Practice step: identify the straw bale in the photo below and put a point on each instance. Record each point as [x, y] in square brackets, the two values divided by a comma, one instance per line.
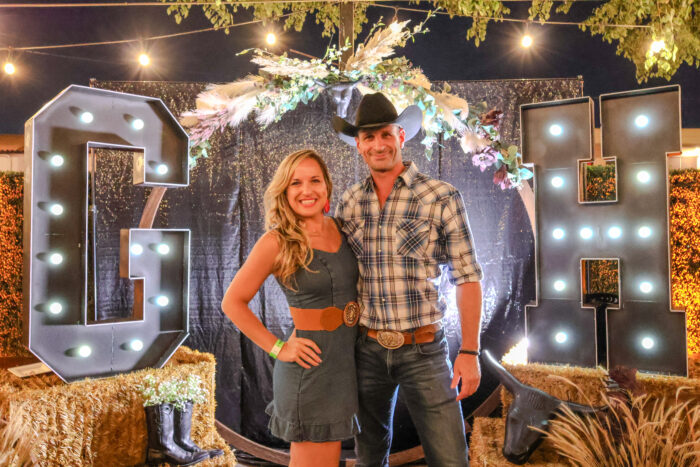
[101, 422]
[487, 441]
[589, 383]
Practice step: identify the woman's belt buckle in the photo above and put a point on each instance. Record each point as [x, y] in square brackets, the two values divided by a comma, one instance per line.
[351, 314]
[390, 339]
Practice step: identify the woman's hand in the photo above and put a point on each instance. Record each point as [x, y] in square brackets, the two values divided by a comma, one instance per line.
[302, 351]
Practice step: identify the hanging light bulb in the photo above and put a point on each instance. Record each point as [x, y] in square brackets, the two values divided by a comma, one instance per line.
[657, 46]
[144, 59]
[526, 41]
[9, 68]
[270, 38]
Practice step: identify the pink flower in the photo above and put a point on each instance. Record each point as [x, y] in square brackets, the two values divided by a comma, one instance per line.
[484, 159]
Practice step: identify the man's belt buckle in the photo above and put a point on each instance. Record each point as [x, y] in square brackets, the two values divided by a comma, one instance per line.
[351, 314]
[390, 339]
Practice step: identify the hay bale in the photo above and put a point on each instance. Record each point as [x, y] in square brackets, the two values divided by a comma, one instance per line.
[102, 422]
[589, 383]
[487, 442]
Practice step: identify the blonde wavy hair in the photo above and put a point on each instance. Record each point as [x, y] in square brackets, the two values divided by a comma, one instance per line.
[280, 218]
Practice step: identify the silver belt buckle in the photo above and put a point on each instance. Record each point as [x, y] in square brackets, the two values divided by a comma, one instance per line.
[390, 339]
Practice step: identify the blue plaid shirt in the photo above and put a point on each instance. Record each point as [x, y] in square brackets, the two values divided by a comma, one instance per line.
[399, 248]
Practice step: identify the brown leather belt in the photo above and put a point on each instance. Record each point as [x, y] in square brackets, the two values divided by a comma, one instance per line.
[395, 339]
[325, 319]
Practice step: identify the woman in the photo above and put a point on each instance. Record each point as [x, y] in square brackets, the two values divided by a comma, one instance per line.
[314, 402]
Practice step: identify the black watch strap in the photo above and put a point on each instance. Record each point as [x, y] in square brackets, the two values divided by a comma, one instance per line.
[470, 352]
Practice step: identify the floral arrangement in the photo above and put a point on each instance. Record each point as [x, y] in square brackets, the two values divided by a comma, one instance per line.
[283, 83]
[173, 391]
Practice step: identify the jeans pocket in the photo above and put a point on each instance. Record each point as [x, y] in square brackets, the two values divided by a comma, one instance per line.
[432, 348]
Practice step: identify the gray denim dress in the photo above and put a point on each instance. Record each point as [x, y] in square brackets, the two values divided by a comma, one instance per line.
[320, 404]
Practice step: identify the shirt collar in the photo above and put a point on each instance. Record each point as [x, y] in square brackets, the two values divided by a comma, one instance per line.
[408, 176]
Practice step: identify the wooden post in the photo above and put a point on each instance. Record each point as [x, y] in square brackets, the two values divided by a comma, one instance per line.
[346, 29]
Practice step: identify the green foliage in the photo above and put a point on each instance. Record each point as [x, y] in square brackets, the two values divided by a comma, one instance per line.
[676, 22]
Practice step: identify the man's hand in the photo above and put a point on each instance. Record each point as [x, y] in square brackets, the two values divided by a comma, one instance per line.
[467, 369]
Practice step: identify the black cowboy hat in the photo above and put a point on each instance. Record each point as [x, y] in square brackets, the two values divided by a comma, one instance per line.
[376, 111]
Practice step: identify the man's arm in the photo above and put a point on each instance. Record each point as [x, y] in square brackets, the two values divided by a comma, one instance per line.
[466, 367]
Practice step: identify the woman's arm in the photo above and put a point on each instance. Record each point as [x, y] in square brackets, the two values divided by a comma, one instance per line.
[244, 286]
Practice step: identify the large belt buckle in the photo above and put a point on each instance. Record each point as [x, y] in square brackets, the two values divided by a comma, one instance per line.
[390, 339]
[351, 314]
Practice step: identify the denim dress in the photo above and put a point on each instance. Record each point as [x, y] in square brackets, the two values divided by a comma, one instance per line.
[320, 404]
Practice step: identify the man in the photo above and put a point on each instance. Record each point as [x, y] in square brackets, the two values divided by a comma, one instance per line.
[402, 225]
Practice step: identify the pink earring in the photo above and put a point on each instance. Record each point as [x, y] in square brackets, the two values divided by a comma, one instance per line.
[327, 207]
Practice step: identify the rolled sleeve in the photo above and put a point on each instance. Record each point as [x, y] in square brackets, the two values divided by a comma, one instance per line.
[461, 256]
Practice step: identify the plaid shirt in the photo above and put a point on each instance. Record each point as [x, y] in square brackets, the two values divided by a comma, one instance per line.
[423, 224]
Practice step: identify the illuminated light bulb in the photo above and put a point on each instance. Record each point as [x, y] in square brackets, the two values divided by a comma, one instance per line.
[645, 287]
[144, 59]
[561, 337]
[86, 117]
[162, 300]
[395, 27]
[556, 130]
[641, 121]
[136, 345]
[614, 232]
[559, 285]
[84, 351]
[56, 258]
[137, 124]
[270, 38]
[56, 209]
[56, 160]
[9, 68]
[55, 308]
[558, 233]
[557, 182]
[163, 248]
[518, 354]
[586, 233]
[161, 169]
[136, 249]
[657, 46]
[644, 231]
[643, 176]
[526, 41]
[648, 343]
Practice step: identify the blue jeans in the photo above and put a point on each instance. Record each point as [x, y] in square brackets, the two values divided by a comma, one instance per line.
[422, 373]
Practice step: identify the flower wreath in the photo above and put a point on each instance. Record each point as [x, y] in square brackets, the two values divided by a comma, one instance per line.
[283, 83]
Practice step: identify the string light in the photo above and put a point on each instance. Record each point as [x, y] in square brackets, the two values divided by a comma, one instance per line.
[9, 68]
[270, 38]
[144, 59]
[526, 41]
[657, 46]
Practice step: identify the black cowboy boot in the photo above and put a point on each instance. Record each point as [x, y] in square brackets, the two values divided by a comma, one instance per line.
[183, 426]
[161, 446]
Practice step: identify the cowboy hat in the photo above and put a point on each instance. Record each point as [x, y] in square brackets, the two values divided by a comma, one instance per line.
[376, 111]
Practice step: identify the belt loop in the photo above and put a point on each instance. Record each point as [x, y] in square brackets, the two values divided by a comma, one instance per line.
[415, 340]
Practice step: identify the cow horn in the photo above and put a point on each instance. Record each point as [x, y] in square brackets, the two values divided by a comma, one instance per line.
[583, 409]
[509, 381]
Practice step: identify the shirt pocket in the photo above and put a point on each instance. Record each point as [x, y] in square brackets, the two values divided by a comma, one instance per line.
[355, 231]
[412, 237]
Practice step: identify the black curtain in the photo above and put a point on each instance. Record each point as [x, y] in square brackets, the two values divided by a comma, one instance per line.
[223, 208]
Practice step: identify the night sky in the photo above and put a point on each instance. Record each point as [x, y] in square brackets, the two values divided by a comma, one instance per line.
[443, 53]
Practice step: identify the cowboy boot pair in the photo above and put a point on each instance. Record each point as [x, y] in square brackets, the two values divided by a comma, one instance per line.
[162, 448]
[183, 426]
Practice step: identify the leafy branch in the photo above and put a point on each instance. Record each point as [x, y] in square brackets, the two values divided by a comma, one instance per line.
[632, 24]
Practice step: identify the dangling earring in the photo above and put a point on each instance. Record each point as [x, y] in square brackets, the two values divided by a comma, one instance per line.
[327, 207]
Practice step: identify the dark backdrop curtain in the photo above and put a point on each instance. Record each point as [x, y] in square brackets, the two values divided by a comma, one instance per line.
[223, 208]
